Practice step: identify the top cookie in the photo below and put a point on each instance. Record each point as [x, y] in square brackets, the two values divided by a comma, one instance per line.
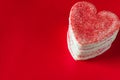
[89, 26]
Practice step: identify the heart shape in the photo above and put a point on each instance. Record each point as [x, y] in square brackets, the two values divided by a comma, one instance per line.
[89, 26]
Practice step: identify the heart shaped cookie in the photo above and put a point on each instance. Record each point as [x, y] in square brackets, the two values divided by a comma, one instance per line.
[90, 31]
[90, 26]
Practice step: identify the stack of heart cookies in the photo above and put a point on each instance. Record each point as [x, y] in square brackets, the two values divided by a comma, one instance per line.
[90, 33]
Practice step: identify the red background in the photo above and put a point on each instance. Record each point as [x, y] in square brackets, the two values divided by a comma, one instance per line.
[33, 43]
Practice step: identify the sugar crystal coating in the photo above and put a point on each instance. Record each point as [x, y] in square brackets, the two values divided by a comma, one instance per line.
[89, 26]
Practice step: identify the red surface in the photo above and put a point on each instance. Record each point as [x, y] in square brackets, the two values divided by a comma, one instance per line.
[33, 43]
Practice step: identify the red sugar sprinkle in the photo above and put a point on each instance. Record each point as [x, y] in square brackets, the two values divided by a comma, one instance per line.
[89, 26]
